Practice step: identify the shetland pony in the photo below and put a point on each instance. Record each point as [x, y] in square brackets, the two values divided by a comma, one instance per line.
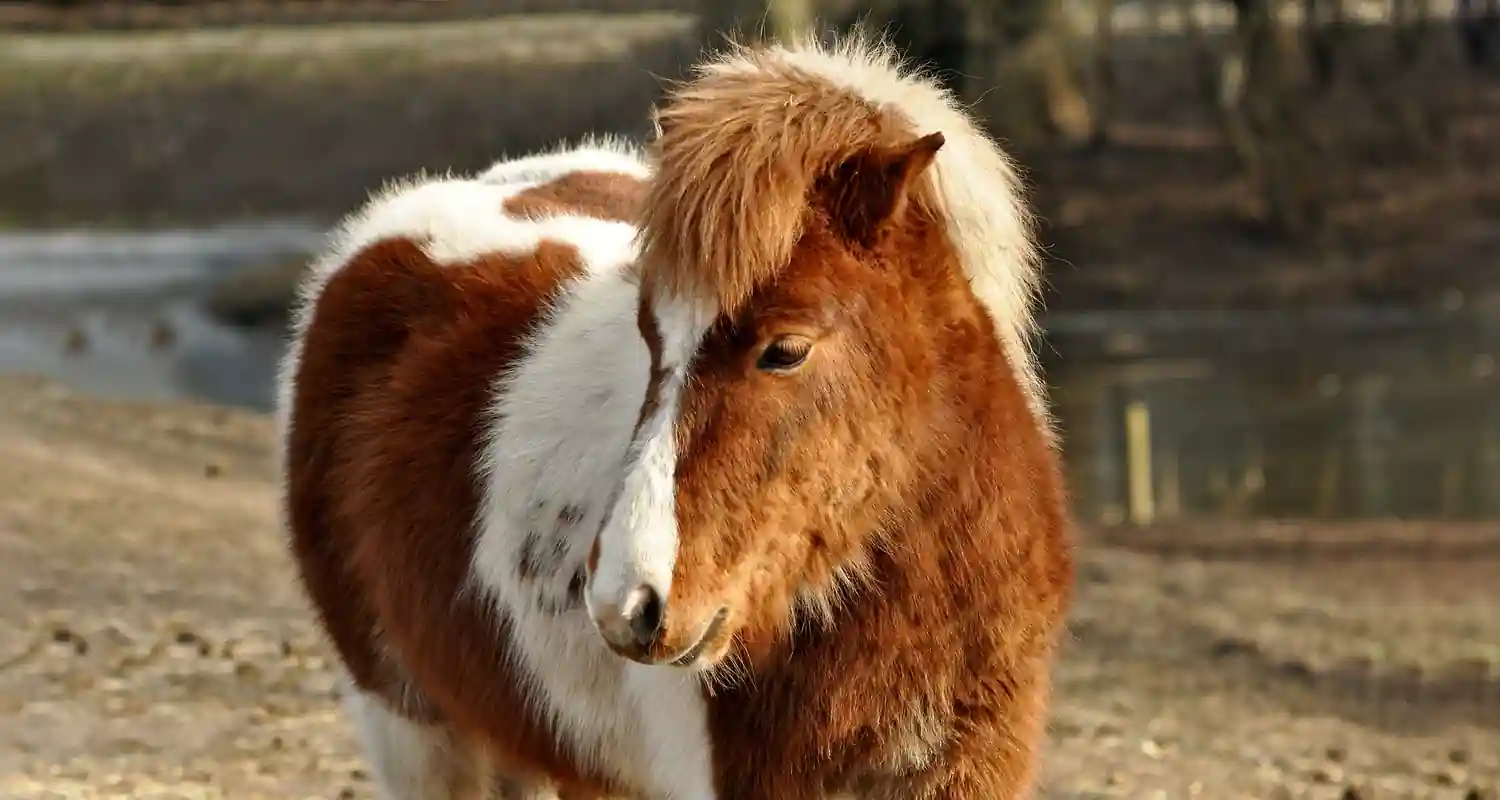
[721, 470]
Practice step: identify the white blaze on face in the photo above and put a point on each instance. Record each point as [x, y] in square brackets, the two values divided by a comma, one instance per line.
[638, 544]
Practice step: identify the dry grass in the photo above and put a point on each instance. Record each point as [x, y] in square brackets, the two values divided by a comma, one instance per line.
[345, 50]
[198, 126]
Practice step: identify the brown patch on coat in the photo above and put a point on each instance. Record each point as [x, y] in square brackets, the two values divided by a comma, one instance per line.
[395, 377]
[902, 459]
[645, 322]
[393, 686]
[612, 196]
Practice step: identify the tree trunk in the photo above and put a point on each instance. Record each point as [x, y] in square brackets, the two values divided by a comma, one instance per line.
[753, 21]
[1394, 89]
[1325, 28]
[1031, 73]
[934, 33]
[1205, 64]
[1263, 121]
[1409, 19]
[1478, 29]
[1102, 90]
[790, 20]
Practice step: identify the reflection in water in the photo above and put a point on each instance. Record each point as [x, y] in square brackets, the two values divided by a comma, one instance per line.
[1342, 413]
[1358, 415]
[167, 351]
[122, 314]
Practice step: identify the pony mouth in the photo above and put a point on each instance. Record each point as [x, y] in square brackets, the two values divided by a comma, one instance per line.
[711, 635]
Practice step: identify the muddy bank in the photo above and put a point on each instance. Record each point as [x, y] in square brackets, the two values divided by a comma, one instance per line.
[144, 129]
[153, 642]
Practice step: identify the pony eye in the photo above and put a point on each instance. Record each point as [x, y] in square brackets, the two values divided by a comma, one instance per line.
[783, 354]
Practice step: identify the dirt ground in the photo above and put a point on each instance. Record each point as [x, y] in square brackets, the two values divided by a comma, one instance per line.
[153, 643]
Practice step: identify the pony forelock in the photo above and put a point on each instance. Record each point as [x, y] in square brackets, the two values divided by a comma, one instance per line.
[741, 143]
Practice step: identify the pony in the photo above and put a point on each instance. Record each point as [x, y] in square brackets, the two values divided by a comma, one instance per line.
[719, 468]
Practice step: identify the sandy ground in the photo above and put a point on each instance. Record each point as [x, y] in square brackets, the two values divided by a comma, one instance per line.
[153, 643]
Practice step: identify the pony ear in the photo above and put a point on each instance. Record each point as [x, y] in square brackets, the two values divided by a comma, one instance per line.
[871, 187]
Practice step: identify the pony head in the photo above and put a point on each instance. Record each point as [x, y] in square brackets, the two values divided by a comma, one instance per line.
[836, 276]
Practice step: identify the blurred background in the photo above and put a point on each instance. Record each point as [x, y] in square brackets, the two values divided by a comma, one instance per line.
[1273, 318]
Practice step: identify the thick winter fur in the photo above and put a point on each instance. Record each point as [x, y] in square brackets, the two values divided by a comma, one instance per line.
[554, 507]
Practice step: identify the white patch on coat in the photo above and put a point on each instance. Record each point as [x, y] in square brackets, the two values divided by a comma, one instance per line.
[601, 154]
[559, 428]
[454, 220]
[638, 545]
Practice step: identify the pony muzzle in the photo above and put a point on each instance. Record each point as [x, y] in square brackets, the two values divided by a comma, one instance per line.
[637, 629]
[633, 626]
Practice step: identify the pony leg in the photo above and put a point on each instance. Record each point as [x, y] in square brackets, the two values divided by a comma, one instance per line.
[410, 760]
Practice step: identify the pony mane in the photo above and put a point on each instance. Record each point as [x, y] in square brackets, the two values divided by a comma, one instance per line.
[740, 144]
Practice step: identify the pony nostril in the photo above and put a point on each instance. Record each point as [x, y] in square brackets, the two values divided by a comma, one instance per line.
[646, 616]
